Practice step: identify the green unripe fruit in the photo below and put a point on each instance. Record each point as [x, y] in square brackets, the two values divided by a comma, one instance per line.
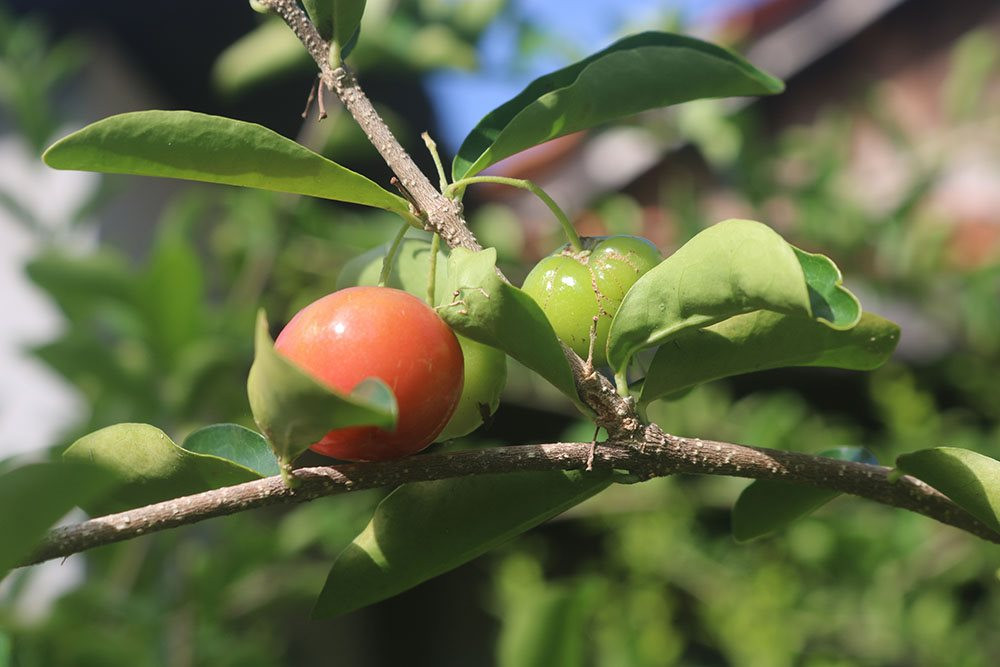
[485, 377]
[572, 287]
[485, 366]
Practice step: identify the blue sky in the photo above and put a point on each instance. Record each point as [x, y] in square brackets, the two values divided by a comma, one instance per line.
[578, 27]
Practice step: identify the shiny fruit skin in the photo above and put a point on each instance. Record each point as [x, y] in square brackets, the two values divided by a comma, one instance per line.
[362, 332]
[485, 377]
[573, 286]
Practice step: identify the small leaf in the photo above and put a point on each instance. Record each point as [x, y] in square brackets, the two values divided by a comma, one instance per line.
[321, 14]
[195, 146]
[151, 467]
[234, 443]
[77, 283]
[767, 506]
[347, 24]
[293, 410]
[971, 480]
[424, 529]
[762, 340]
[35, 496]
[731, 268]
[410, 270]
[639, 72]
[828, 298]
[491, 311]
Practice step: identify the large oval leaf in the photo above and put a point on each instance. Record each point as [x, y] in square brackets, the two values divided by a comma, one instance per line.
[731, 268]
[639, 72]
[234, 443]
[293, 410]
[199, 147]
[767, 506]
[35, 496]
[151, 467]
[491, 311]
[761, 340]
[424, 529]
[971, 480]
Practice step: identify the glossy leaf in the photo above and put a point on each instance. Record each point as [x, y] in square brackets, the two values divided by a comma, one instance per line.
[731, 268]
[639, 72]
[151, 467]
[33, 497]
[762, 340]
[828, 298]
[199, 147]
[234, 443]
[424, 529]
[491, 311]
[767, 506]
[293, 410]
[970, 479]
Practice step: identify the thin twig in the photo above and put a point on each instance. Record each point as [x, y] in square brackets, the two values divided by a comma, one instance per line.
[663, 455]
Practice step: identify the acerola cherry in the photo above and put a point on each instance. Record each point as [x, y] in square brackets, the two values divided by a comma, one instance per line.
[363, 332]
[573, 286]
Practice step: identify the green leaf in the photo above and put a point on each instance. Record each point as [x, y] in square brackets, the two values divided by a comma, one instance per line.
[731, 268]
[762, 340]
[321, 14]
[35, 496]
[151, 467]
[293, 410]
[971, 480]
[234, 443]
[828, 298]
[410, 270]
[170, 294]
[491, 311]
[639, 72]
[767, 506]
[347, 24]
[78, 283]
[265, 53]
[424, 529]
[337, 19]
[195, 146]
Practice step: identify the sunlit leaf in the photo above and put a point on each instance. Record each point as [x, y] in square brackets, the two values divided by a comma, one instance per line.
[970, 479]
[151, 467]
[639, 72]
[199, 147]
[491, 311]
[762, 340]
[731, 268]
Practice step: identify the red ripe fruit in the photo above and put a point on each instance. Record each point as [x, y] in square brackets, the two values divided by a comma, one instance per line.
[363, 332]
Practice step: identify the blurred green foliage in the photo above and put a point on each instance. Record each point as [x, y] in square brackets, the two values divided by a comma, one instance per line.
[644, 574]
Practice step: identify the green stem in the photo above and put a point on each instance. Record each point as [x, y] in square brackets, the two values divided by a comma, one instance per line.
[432, 147]
[432, 277]
[390, 257]
[571, 234]
[621, 382]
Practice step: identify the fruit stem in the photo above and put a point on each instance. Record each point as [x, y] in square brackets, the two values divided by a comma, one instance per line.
[524, 184]
[432, 277]
[390, 257]
[433, 149]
